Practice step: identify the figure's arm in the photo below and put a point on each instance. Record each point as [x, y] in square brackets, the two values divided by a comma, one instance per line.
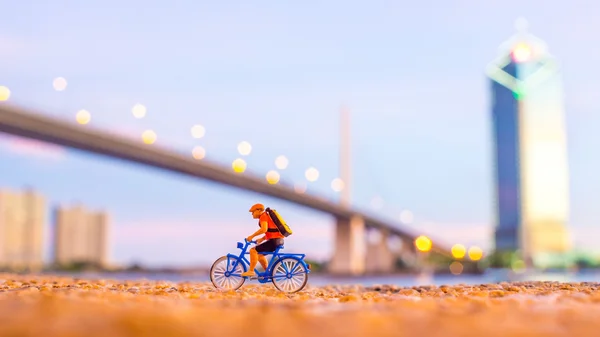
[261, 239]
[263, 229]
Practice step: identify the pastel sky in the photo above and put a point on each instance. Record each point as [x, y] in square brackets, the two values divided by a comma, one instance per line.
[275, 74]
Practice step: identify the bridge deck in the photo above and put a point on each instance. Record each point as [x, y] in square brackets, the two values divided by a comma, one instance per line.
[20, 122]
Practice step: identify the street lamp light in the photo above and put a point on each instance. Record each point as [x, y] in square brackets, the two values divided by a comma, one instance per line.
[198, 131]
[406, 217]
[475, 253]
[239, 165]
[198, 152]
[138, 111]
[149, 137]
[272, 177]
[337, 185]
[59, 84]
[83, 117]
[311, 174]
[4, 94]
[423, 243]
[244, 148]
[281, 162]
[458, 251]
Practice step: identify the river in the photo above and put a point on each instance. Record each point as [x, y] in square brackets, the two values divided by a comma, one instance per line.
[490, 276]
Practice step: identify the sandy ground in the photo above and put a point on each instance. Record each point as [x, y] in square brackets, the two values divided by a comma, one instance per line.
[45, 306]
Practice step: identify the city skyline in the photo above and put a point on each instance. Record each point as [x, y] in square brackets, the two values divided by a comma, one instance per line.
[437, 166]
[36, 233]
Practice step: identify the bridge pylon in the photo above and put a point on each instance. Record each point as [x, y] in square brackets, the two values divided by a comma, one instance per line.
[345, 157]
[349, 253]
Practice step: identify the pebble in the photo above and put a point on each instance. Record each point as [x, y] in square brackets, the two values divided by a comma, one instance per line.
[33, 305]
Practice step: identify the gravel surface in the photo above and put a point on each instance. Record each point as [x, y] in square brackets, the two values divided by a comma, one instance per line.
[46, 306]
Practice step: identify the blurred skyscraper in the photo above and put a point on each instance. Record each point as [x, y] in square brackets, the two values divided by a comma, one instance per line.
[81, 236]
[530, 155]
[22, 219]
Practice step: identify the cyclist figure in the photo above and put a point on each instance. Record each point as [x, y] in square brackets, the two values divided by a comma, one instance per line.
[272, 236]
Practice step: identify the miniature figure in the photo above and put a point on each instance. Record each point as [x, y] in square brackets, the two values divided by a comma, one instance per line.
[272, 236]
[288, 272]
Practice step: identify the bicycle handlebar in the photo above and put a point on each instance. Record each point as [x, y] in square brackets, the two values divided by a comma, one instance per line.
[249, 241]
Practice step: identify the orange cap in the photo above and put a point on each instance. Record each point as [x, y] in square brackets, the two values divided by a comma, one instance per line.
[257, 207]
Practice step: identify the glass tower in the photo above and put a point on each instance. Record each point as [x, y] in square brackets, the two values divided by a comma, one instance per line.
[530, 156]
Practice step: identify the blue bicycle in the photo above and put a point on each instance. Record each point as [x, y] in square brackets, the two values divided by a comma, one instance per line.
[288, 272]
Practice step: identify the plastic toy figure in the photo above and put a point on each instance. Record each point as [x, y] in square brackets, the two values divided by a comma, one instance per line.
[272, 236]
[288, 272]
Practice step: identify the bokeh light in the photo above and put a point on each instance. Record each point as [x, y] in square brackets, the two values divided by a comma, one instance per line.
[281, 162]
[406, 217]
[337, 185]
[4, 93]
[518, 266]
[149, 137]
[272, 177]
[83, 117]
[456, 268]
[300, 187]
[138, 111]
[198, 131]
[59, 84]
[244, 148]
[423, 243]
[239, 165]
[475, 253]
[311, 174]
[458, 251]
[198, 152]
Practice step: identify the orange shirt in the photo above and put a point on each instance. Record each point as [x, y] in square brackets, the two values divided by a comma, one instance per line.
[272, 230]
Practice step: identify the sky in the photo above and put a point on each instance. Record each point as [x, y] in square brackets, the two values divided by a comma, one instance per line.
[275, 74]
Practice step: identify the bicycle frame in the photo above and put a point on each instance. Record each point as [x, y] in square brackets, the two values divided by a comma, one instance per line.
[265, 276]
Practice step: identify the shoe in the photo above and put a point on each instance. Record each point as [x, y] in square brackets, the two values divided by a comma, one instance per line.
[249, 273]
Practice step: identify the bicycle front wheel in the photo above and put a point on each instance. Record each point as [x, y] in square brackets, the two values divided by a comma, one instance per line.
[225, 273]
[289, 275]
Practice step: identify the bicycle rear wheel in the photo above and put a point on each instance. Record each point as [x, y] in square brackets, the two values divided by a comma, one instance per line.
[289, 275]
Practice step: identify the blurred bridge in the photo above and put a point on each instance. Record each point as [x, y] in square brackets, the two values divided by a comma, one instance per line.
[351, 250]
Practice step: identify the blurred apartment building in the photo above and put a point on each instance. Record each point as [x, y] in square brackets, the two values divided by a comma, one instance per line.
[22, 218]
[80, 236]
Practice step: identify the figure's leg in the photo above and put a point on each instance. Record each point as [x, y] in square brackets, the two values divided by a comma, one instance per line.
[263, 261]
[253, 261]
[265, 247]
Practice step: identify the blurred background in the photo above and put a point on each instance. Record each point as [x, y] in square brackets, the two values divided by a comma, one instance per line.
[459, 132]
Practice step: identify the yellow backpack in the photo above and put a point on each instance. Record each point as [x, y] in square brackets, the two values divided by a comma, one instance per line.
[284, 229]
